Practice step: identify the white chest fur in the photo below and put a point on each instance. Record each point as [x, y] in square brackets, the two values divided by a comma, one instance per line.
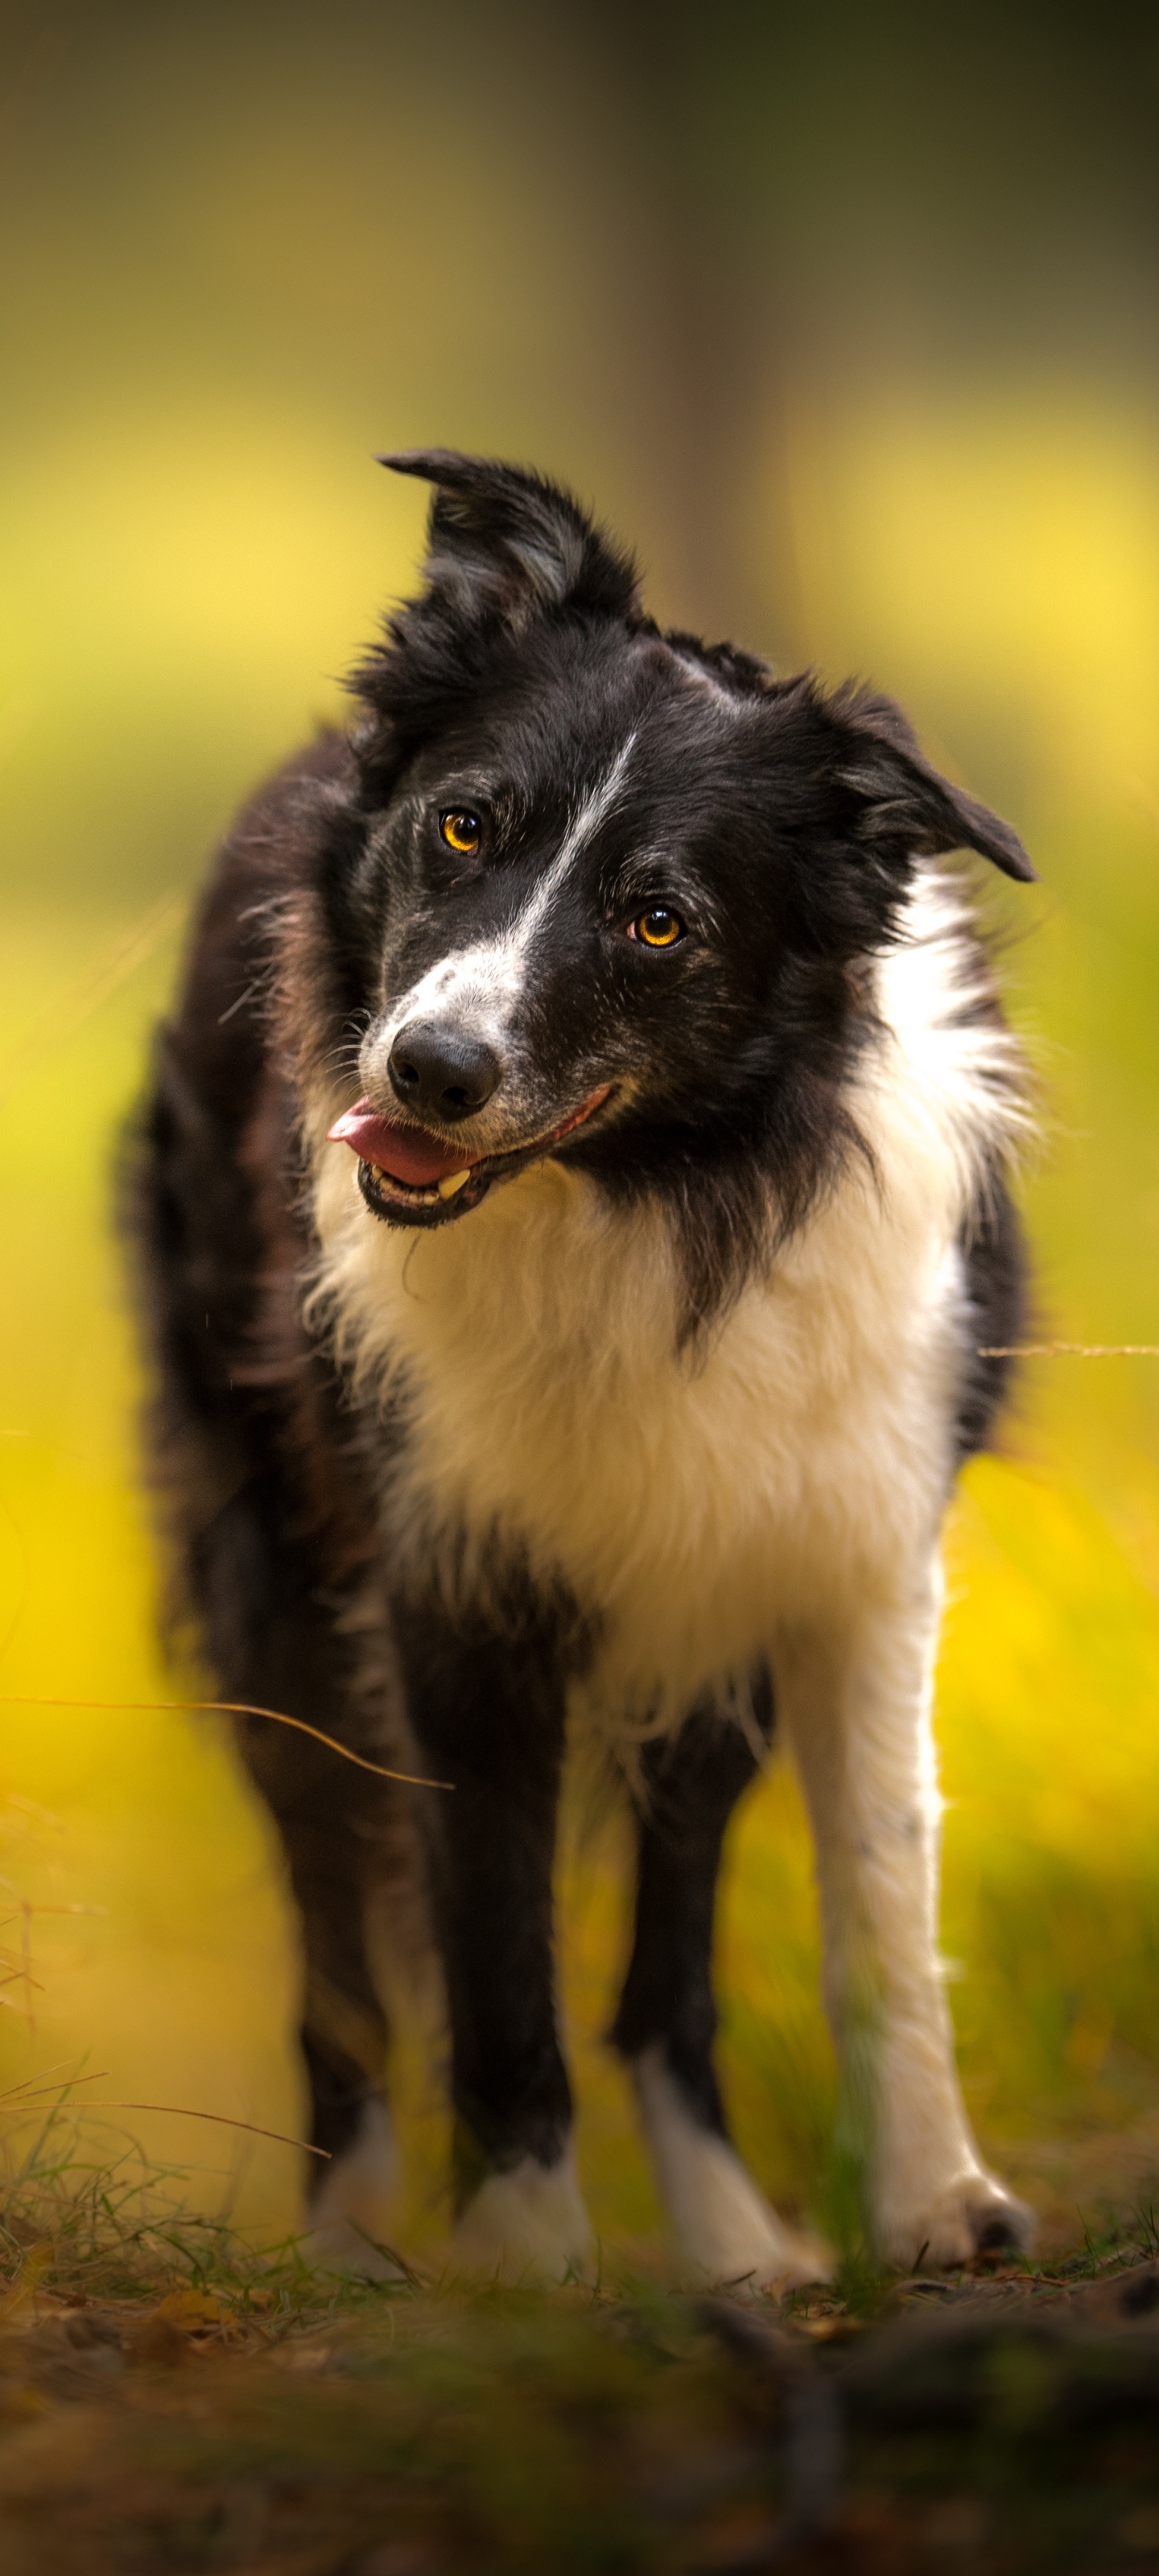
[695, 1505]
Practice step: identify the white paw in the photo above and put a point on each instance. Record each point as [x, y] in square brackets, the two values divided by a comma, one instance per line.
[723, 2225]
[350, 2214]
[975, 2214]
[340, 2246]
[736, 2240]
[526, 2225]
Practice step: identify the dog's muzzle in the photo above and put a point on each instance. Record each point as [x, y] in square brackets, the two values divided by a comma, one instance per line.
[409, 1177]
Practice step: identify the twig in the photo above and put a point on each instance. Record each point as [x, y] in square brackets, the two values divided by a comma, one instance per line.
[1071, 1351]
[92, 986]
[224, 1708]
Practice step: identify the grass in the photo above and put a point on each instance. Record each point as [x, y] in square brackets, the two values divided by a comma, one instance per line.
[86, 2214]
[173, 2398]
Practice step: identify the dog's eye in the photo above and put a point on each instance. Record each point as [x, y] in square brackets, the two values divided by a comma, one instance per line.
[658, 928]
[462, 831]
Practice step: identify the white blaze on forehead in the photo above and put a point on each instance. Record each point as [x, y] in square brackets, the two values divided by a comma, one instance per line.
[488, 977]
[590, 813]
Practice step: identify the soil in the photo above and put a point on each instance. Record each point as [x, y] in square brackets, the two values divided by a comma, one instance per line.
[1002, 2422]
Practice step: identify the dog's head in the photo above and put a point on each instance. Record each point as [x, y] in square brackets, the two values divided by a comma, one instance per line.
[611, 892]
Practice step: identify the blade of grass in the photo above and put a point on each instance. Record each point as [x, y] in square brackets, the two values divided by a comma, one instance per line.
[182, 2111]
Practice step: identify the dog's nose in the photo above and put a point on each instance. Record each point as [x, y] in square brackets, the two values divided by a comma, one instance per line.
[439, 1073]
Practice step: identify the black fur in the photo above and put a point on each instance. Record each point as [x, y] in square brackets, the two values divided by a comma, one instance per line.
[782, 826]
[690, 1784]
[489, 1708]
[996, 1274]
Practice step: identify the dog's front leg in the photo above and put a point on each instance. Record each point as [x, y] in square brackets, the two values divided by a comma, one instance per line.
[689, 1783]
[857, 1697]
[487, 1706]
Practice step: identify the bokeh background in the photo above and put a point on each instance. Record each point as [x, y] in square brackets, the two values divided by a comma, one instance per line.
[846, 318]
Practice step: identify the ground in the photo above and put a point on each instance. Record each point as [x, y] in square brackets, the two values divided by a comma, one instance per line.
[169, 2403]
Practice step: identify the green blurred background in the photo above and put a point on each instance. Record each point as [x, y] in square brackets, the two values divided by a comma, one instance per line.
[846, 318]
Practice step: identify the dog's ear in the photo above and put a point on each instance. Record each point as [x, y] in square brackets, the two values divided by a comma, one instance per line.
[904, 808]
[505, 543]
[504, 547]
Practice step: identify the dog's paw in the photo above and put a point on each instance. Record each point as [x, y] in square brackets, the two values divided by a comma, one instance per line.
[340, 2245]
[526, 2225]
[974, 2215]
[350, 2214]
[725, 2231]
[731, 2237]
[765, 2261]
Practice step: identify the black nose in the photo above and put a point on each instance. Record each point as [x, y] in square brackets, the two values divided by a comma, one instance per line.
[439, 1073]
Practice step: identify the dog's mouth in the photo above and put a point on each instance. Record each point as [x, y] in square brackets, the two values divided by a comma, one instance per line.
[409, 1177]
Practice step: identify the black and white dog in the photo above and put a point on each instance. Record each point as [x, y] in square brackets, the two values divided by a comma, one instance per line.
[571, 1209]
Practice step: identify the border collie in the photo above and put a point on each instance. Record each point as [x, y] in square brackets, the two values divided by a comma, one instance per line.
[573, 1228]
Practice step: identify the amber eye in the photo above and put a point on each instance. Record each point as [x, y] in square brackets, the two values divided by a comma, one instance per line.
[462, 831]
[658, 928]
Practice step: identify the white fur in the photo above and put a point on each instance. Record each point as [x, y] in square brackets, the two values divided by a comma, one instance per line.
[350, 2213]
[720, 2221]
[855, 1693]
[526, 2225]
[779, 1494]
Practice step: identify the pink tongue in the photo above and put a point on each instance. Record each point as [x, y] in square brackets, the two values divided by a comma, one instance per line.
[405, 1152]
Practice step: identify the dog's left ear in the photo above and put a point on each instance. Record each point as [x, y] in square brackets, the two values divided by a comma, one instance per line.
[504, 543]
[905, 809]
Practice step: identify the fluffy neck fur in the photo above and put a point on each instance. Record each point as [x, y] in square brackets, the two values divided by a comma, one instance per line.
[694, 1497]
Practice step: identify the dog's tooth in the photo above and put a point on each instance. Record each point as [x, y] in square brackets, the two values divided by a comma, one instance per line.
[453, 1181]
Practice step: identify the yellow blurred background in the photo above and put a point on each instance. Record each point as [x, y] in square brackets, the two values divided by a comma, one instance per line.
[847, 321]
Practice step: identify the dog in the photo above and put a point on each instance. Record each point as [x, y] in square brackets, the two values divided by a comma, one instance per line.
[575, 1245]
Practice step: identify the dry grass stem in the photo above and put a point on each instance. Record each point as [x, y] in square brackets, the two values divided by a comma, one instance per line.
[181, 2111]
[1070, 1351]
[223, 1708]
